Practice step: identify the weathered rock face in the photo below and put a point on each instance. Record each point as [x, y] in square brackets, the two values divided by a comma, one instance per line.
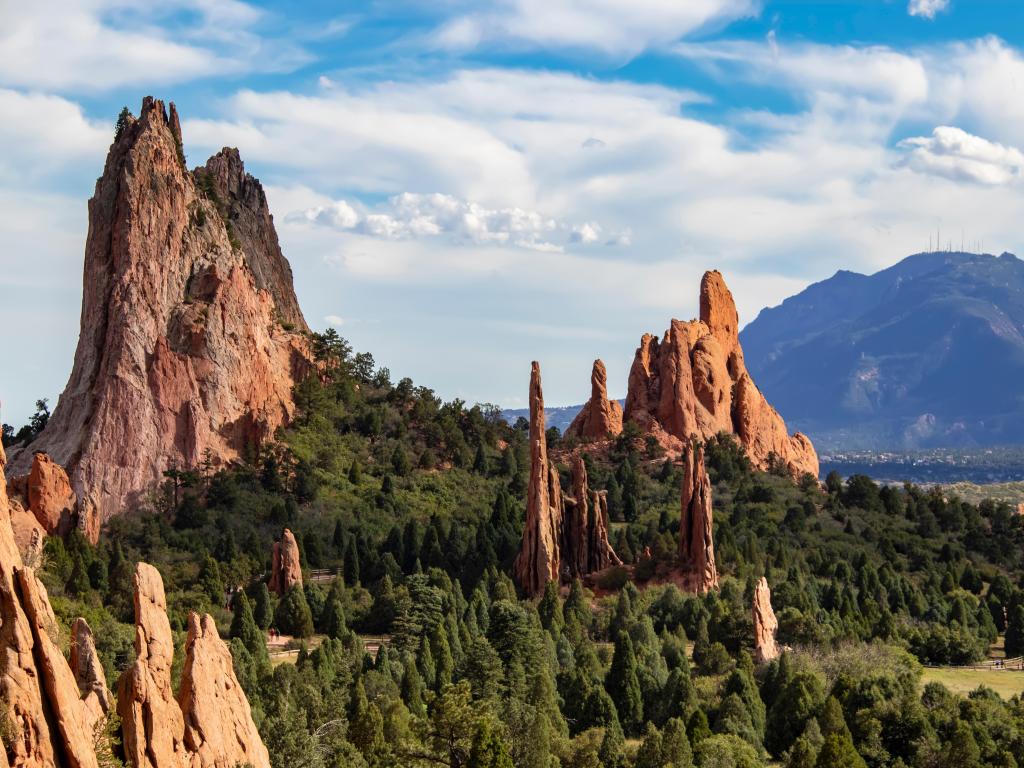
[57, 710]
[253, 225]
[765, 624]
[693, 383]
[219, 730]
[39, 697]
[539, 559]
[88, 671]
[585, 547]
[600, 417]
[286, 564]
[181, 350]
[696, 539]
[50, 497]
[151, 721]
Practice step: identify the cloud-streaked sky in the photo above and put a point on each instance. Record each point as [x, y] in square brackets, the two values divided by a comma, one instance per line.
[462, 187]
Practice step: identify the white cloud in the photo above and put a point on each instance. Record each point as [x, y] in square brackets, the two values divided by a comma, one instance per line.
[411, 215]
[335, 321]
[49, 132]
[103, 44]
[958, 155]
[612, 27]
[926, 8]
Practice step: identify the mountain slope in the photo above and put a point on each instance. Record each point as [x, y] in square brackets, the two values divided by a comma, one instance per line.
[928, 352]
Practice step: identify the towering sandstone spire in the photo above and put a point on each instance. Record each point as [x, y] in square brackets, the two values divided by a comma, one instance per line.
[693, 383]
[696, 541]
[539, 559]
[765, 624]
[189, 330]
[285, 564]
[600, 417]
[563, 535]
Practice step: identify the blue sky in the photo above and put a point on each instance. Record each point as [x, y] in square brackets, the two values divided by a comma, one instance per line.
[463, 187]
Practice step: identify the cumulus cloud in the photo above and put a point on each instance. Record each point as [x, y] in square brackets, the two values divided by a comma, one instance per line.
[927, 8]
[612, 27]
[957, 154]
[411, 215]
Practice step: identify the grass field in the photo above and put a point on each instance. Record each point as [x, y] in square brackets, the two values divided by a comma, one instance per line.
[1005, 682]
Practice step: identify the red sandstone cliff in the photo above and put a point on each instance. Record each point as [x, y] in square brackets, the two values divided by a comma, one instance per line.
[186, 342]
[693, 383]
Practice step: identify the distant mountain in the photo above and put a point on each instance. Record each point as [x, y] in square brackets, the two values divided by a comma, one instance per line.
[927, 353]
[560, 417]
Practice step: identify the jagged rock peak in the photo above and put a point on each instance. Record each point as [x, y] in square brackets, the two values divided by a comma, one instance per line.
[253, 225]
[693, 383]
[600, 417]
[286, 565]
[696, 524]
[765, 624]
[181, 352]
[539, 559]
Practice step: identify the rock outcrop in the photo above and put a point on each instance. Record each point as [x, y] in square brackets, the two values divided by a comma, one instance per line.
[219, 729]
[55, 711]
[88, 671]
[209, 723]
[539, 558]
[190, 338]
[696, 534]
[43, 503]
[765, 624]
[49, 722]
[585, 547]
[564, 536]
[285, 564]
[692, 382]
[599, 417]
[151, 720]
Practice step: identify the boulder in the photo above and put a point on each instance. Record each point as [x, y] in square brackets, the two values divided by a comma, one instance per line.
[50, 497]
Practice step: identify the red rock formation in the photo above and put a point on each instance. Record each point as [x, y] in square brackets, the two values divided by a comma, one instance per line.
[585, 547]
[88, 671]
[181, 350]
[600, 417]
[151, 720]
[696, 540]
[50, 497]
[539, 559]
[219, 730]
[765, 624]
[693, 383]
[286, 565]
[50, 725]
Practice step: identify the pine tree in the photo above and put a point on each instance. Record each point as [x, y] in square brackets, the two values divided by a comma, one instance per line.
[649, 753]
[839, 752]
[480, 463]
[443, 662]
[488, 750]
[1015, 632]
[351, 564]
[675, 745]
[244, 628]
[262, 611]
[412, 688]
[550, 609]
[293, 616]
[623, 686]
